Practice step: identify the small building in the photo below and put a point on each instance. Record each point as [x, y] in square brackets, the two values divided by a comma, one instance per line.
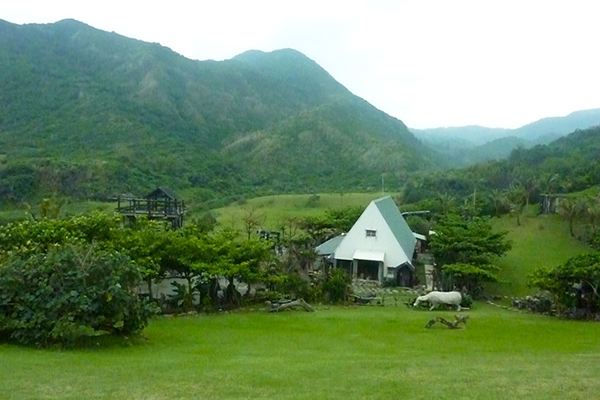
[379, 245]
[161, 203]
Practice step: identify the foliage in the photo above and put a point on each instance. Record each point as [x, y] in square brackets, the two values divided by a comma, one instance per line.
[467, 300]
[332, 223]
[226, 129]
[298, 286]
[567, 165]
[465, 250]
[576, 284]
[70, 292]
[40, 235]
[337, 285]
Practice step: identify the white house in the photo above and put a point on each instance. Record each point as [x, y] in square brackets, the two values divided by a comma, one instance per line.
[379, 245]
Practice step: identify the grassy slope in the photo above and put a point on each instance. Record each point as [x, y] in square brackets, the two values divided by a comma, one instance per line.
[277, 209]
[338, 353]
[539, 241]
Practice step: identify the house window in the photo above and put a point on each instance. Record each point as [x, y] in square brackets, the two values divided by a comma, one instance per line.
[371, 233]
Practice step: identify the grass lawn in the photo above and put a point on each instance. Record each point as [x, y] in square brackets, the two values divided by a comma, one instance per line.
[539, 241]
[276, 209]
[337, 353]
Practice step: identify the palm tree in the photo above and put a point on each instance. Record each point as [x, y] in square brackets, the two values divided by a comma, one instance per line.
[529, 186]
[498, 201]
[446, 202]
[591, 211]
[569, 208]
[516, 196]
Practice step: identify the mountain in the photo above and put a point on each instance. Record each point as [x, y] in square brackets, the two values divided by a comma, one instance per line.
[569, 164]
[559, 126]
[472, 144]
[91, 114]
[463, 136]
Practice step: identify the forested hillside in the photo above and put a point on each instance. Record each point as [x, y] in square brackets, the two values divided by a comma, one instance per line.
[569, 164]
[469, 145]
[91, 114]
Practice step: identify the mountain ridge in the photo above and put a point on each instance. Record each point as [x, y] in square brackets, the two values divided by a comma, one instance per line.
[472, 144]
[90, 114]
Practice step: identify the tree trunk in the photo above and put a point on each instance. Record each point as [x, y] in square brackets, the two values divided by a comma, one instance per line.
[149, 282]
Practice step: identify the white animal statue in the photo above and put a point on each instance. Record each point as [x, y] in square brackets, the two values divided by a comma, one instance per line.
[436, 298]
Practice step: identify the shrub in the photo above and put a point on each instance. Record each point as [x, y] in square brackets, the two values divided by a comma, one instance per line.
[336, 287]
[296, 286]
[466, 301]
[389, 283]
[68, 293]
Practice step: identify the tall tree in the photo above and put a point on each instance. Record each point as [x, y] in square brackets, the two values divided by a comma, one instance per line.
[569, 208]
[517, 198]
[466, 250]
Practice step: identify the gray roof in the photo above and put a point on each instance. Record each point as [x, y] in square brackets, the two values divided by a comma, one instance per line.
[162, 192]
[329, 246]
[397, 224]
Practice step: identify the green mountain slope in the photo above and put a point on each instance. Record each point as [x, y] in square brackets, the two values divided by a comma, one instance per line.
[89, 113]
[471, 144]
[569, 164]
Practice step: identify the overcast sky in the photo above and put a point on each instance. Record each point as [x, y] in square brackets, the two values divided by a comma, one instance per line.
[496, 63]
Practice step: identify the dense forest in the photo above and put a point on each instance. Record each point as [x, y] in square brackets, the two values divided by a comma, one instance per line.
[568, 169]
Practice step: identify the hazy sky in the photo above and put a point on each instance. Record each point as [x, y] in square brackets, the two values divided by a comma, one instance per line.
[497, 63]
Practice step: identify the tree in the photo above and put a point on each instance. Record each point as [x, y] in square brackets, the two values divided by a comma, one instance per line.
[517, 200]
[69, 292]
[146, 243]
[446, 203]
[576, 284]
[498, 202]
[591, 211]
[569, 208]
[252, 219]
[465, 250]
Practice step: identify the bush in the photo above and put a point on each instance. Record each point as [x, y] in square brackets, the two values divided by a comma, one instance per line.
[389, 283]
[336, 287]
[68, 293]
[297, 286]
[466, 301]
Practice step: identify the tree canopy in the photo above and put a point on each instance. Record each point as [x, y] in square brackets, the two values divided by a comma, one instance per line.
[465, 251]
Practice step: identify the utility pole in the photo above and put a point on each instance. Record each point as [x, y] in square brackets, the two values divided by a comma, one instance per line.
[382, 187]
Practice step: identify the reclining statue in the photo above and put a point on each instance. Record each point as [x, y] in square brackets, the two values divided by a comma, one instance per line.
[436, 298]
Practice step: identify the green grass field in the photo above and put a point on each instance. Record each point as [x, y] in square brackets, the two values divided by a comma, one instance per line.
[539, 241]
[274, 210]
[339, 353]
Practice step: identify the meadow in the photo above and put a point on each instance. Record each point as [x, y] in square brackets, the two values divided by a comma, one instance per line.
[540, 241]
[274, 210]
[367, 352]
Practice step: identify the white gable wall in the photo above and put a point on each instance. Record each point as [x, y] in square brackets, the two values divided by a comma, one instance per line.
[384, 241]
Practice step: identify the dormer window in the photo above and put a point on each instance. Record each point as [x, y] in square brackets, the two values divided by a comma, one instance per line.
[371, 233]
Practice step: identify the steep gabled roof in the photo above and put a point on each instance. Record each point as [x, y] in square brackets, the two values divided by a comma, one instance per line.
[162, 191]
[392, 236]
[397, 224]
